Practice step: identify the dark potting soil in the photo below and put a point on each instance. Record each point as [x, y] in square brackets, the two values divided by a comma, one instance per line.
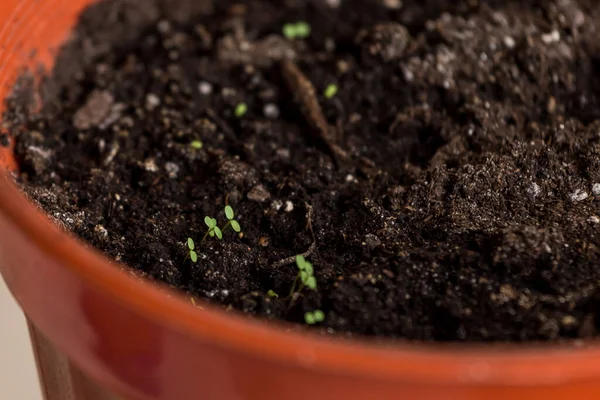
[449, 190]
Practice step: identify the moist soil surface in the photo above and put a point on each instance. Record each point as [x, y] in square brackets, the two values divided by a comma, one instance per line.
[449, 190]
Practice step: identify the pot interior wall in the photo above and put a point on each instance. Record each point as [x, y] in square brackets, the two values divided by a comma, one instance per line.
[31, 32]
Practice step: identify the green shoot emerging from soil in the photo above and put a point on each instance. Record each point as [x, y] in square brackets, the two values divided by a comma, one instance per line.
[196, 144]
[191, 247]
[241, 109]
[306, 273]
[214, 230]
[305, 276]
[330, 91]
[307, 279]
[314, 317]
[271, 293]
[299, 30]
[230, 221]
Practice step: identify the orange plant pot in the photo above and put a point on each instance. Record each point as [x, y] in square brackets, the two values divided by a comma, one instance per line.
[98, 330]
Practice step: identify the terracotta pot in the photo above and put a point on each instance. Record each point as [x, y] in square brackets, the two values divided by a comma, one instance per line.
[98, 329]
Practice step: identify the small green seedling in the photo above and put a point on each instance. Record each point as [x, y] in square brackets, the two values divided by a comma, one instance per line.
[302, 30]
[196, 144]
[240, 110]
[298, 30]
[213, 229]
[330, 91]
[191, 247]
[306, 272]
[272, 294]
[314, 317]
[305, 276]
[230, 221]
[289, 31]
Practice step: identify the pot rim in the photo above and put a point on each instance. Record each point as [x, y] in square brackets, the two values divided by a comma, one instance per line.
[506, 364]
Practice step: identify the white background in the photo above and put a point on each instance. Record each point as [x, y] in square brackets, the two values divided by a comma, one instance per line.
[18, 376]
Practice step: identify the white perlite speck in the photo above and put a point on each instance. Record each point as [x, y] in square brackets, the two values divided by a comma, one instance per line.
[152, 101]
[594, 219]
[596, 189]
[289, 206]
[551, 37]
[533, 190]
[271, 111]
[205, 88]
[509, 42]
[578, 195]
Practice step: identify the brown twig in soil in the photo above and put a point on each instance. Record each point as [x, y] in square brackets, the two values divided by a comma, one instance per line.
[309, 219]
[305, 95]
[311, 249]
[292, 259]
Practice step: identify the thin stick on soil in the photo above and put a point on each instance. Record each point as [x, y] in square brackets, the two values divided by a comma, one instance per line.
[305, 95]
[292, 259]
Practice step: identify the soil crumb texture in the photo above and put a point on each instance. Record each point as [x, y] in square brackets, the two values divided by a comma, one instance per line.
[436, 161]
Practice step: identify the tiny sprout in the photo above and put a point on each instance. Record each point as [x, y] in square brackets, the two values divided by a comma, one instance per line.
[305, 276]
[289, 31]
[213, 229]
[319, 315]
[298, 30]
[234, 224]
[330, 91]
[241, 109]
[191, 247]
[196, 144]
[312, 318]
[272, 293]
[306, 272]
[302, 30]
